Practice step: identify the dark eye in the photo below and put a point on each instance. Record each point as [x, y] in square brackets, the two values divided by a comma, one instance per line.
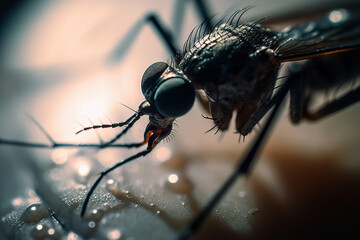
[174, 97]
[152, 75]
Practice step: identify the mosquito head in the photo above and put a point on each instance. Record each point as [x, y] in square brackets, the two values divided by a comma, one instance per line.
[168, 91]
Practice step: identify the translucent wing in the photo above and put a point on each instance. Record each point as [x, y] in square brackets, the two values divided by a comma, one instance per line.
[338, 31]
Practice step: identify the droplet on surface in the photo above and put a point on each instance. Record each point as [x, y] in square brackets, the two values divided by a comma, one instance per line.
[96, 215]
[40, 231]
[162, 154]
[51, 231]
[114, 234]
[242, 194]
[17, 202]
[59, 156]
[34, 213]
[179, 184]
[173, 178]
[112, 186]
[92, 224]
[72, 236]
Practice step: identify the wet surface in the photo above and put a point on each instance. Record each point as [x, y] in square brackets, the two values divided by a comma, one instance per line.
[305, 184]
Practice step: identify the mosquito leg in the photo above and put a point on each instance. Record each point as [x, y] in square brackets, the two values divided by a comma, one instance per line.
[336, 105]
[297, 93]
[104, 173]
[120, 50]
[259, 114]
[203, 10]
[243, 168]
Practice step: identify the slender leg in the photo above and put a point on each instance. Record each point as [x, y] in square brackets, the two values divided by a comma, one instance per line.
[107, 171]
[297, 97]
[243, 168]
[164, 33]
[336, 105]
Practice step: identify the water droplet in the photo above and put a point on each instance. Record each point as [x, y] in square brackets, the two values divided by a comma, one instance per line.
[114, 234]
[112, 186]
[157, 212]
[72, 236]
[173, 178]
[34, 213]
[51, 231]
[40, 231]
[338, 15]
[183, 203]
[59, 156]
[162, 154]
[92, 224]
[17, 202]
[179, 184]
[242, 194]
[96, 215]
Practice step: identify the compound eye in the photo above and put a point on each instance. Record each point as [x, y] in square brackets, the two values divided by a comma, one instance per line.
[152, 75]
[174, 97]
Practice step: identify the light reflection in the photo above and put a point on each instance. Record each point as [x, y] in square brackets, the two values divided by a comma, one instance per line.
[114, 234]
[59, 156]
[51, 231]
[162, 154]
[82, 167]
[337, 16]
[17, 202]
[92, 224]
[72, 236]
[173, 178]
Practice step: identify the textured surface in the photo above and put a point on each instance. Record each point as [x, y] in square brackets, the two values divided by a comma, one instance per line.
[305, 185]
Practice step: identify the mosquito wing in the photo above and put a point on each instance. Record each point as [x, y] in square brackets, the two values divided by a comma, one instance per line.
[338, 31]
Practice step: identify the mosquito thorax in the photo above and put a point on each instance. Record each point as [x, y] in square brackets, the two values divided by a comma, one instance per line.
[235, 68]
[167, 90]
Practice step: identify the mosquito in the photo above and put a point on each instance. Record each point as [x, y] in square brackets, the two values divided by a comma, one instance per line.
[236, 65]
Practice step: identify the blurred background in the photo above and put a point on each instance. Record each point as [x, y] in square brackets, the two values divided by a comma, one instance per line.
[58, 64]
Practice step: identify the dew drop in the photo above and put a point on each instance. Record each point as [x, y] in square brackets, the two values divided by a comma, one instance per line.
[179, 184]
[162, 154]
[242, 194]
[51, 231]
[17, 202]
[39, 231]
[34, 213]
[112, 186]
[157, 212]
[72, 236]
[96, 215]
[338, 15]
[59, 156]
[92, 224]
[114, 234]
[173, 178]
